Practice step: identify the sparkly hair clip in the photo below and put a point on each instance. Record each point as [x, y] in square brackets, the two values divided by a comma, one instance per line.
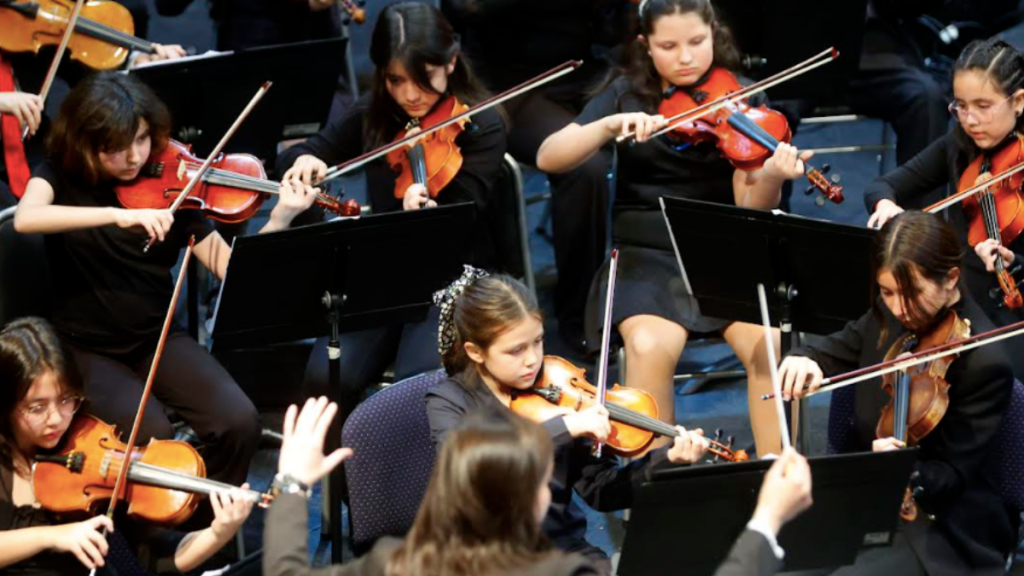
[445, 300]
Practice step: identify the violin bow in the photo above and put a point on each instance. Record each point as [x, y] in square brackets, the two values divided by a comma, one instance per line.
[122, 473]
[198, 176]
[818, 60]
[52, 72]
[922, 357]
[974, 190]
[773, 368]
[606, 334]
[540, 80]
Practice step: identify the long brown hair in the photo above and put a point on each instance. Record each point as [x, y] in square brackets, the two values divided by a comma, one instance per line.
[644, 80]
[478, 516]
[102, 114]
[913, 241]
[416, 34]
[486, 309]
[29, 348]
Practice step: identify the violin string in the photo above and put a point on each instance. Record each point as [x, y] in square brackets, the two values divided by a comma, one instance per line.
[99, 30]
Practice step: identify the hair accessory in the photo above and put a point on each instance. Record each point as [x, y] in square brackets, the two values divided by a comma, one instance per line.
[445, 300]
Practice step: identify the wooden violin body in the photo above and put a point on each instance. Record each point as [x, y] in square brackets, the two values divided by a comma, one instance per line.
[434, 160]
[231, 191]
[633, 413]
[746, 135]
[82, 475]
[102, 40]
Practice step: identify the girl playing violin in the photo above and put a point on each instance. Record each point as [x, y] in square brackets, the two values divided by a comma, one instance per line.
[988, 100]
[419, 65]
[967, 529]
[492, 343]
[681, 41]
[42, 392]
[482, 512]
[111, 297]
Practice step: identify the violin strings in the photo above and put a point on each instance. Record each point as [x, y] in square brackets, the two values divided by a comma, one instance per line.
[197, 483]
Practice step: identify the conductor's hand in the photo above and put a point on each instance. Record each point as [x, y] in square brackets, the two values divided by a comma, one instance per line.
[689, 447]
[302, 450]
[798, 376]
[416, 197]
[885, 210]
[307, 168]
[785, 492]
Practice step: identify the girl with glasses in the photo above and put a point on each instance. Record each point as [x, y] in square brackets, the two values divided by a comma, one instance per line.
[988, 100]
[42, 391]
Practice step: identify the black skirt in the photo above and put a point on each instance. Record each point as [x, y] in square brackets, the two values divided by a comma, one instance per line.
[648, 281]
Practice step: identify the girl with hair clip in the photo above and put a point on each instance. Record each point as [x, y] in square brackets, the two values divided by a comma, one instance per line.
[988, 100]
[680, 43]
[491, 338]
[482, 511]
[41, 394]
[418, 61]
[110, 297]
[963, 526]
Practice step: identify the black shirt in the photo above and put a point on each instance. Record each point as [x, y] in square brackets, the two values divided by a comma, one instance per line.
[601, 482]
[482, 143]
[970, 515]
[110, 297]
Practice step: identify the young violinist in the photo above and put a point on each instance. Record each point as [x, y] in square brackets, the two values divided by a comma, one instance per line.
[988, 101]
[419, 67]
[963, 527]
[110, 296]
[42, 392]
[483, 509]
[681, 41]
[491, 339]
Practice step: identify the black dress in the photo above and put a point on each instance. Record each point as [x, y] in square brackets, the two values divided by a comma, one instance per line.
[972, 530]
[941, 164]
[601, 482]
[649, 279]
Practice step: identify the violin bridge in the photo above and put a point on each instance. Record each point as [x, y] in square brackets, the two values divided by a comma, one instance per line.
[182, 170]
[105, 465]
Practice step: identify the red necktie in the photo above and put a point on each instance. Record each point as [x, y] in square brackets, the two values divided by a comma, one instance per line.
[10, 133]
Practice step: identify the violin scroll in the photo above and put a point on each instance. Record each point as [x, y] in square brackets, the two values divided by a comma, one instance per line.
[353, 11]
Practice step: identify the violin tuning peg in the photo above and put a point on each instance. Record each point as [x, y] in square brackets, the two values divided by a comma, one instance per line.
[836, 179]
[718, 434]
[917, 491]
[820, 200]
[731, 441]
[810, 190]
[825, 168]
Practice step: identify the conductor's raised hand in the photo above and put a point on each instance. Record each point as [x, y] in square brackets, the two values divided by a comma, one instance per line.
[302, 450]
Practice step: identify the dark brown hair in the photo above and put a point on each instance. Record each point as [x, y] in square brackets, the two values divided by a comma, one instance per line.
[486, 309]
[913, 241]
[102, 114]
[1004, 66]
[416, 34]
[28, 349]
[478, 514]
[644, 80]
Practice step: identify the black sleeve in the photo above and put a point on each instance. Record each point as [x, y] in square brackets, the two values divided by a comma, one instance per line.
[286, 543]
[482, 155]
[840, 351]
[751, 555]
[606, 486]
[171, 7]
[156, 546]
[603, 104]
[340, 140]
[919, 176]
[446, 406]
[956, 450]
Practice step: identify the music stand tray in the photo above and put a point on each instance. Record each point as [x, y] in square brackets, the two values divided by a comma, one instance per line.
[690, 517]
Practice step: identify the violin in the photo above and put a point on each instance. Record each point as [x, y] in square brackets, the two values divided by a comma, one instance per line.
[746, 135]
[997, 212]
[920, 394]
[435, 159]
[103, 35]
[633, 413]
[231, 191]
[165, 477]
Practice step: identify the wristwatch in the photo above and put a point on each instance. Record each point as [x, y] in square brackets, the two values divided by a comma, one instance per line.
[287, 484]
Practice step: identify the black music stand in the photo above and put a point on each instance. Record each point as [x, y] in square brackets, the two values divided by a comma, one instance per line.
[857, 499]
[336, 277]
[817, 274]
[206, 94]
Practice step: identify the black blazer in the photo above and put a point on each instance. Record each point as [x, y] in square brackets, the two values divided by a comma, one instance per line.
[967, 528]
